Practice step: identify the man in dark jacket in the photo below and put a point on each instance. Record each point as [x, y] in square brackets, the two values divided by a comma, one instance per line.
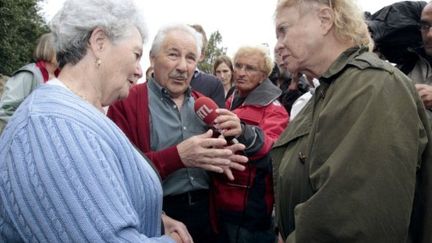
[402, 35]
[421, 73]
[205, 83]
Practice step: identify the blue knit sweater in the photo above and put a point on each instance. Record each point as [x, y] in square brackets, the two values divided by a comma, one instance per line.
[68, 174]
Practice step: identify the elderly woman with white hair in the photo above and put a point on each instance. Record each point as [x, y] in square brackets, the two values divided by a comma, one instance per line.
[68, 174]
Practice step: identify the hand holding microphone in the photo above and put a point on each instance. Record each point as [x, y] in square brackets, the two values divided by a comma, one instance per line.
[222, 121]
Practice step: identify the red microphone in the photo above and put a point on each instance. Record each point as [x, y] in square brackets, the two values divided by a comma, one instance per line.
[205, 109]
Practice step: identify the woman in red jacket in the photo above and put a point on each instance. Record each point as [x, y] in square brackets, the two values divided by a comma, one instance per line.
[243, 206]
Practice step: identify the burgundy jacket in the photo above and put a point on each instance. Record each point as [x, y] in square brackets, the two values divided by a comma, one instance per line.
[132, 116]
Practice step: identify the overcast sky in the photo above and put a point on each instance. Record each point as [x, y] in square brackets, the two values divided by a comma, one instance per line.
[239, 21]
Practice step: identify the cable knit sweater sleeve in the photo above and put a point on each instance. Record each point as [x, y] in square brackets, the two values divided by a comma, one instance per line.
[64, 182]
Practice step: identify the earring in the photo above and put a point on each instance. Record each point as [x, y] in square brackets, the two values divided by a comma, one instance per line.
[98, 62]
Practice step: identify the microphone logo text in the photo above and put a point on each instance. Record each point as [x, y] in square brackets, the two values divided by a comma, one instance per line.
[203, 112]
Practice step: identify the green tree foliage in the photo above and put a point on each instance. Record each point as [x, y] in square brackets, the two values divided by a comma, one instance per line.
[214, 49]
[20, 27]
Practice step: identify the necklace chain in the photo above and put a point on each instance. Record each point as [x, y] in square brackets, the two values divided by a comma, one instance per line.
[76, 93]
[83, 97]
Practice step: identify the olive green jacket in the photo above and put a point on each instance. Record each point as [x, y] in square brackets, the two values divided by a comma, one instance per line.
[346, 168]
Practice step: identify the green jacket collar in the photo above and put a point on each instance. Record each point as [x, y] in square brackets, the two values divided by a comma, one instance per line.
[341, 62]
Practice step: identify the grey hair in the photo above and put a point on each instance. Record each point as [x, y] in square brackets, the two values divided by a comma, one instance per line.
[162, 33]
[73, 24]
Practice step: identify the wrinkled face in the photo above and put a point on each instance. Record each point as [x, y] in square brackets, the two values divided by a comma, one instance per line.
[224, 74]
[121, 64]
[248, 73]
[278, 52]
[297, 38]
[175, 62]
[425, 24]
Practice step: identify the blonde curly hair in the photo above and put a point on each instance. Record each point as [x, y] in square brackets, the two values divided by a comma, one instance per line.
[348, 18]
[263, 52]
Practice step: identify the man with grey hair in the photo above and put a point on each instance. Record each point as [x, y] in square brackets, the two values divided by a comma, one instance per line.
[159, 118]
[355, 164]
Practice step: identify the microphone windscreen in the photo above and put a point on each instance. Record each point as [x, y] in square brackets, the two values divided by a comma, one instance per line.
[205, 108]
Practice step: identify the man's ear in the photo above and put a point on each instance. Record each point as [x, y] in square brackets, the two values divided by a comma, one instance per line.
[326, 17]
[98, 41]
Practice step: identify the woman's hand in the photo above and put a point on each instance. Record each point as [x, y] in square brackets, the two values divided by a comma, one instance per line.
[176, 230]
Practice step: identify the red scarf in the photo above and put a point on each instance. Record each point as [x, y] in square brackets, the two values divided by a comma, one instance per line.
[41, 64]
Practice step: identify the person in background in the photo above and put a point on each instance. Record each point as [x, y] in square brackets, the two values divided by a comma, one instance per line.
[244, 205]
[28, 78]
[224, 71]
[3, 79]
[354, 165]
[204, 83]
[402, 34]
[68, 173]
[159, 118]
[421, 73]
[301, 101]
[292, 88]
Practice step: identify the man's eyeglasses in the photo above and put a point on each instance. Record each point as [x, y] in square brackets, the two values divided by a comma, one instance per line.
[248, 68]
[425, 26]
